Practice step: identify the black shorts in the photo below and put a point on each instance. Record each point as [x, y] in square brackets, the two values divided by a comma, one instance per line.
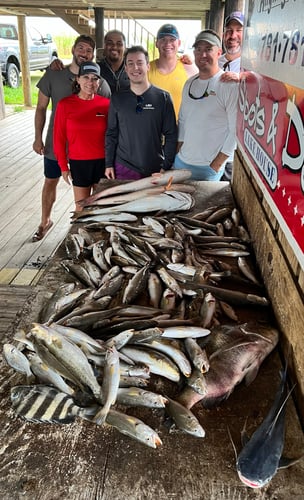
[84, 173]
[51, 168]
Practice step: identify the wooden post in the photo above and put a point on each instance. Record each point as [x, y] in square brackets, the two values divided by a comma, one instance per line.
[25, 67]
[2, 105]
[216, 16]
[99, 30]
[233, 5]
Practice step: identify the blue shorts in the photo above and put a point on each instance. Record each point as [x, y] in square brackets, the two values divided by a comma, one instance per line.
[199, 172]
[51, 169]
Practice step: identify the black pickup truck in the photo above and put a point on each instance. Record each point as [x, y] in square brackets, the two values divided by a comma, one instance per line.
[41, 51]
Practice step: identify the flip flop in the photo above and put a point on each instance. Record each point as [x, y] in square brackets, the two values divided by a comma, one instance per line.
[41, 232]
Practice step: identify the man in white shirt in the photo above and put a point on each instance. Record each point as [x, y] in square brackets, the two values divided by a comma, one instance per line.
[207, 117]
[232, 41]
[231, 60]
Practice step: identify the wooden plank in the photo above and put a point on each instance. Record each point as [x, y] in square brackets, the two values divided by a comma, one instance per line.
[282, 287]
[20, 202]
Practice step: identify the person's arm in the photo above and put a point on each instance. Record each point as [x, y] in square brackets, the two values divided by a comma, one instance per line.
[230, 76]
[170, 133]
[191, 69]
[60, 139]
[39, 122]
[111, 141]
[57, 65]
[218, 161]
[231, 98]
[104, 89]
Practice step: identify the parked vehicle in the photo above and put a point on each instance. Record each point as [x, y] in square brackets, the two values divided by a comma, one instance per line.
[41, 51]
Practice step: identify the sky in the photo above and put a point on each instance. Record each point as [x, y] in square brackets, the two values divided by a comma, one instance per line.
[56, 26]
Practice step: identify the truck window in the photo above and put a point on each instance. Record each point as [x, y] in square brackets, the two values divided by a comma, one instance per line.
[8, 32]
[35, 35]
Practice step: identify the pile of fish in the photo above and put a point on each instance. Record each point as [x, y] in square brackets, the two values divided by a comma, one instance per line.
[146, 316]
[70, 374]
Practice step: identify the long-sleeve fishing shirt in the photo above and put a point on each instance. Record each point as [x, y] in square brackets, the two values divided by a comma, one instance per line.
[207, 126]
[142, 131]
[79, 129]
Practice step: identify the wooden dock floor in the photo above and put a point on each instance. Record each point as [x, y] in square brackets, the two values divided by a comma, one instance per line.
[21, 260]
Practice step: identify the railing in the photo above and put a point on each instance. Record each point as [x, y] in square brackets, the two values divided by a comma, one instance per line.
[135, 33]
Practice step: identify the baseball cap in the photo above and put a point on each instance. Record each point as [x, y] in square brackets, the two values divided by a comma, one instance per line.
[167, 30]
[235, 16]
[208, 36]
[87, 68]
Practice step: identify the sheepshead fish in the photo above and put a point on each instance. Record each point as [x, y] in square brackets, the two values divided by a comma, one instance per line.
[235, 354]
[42, 403]
[261, 456]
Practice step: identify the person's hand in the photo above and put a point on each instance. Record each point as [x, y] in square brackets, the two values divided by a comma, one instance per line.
[38, 146]
[215, 166]
[56, 65]
[110, 173]
[230, 76]
[66, 175]
[185, 59]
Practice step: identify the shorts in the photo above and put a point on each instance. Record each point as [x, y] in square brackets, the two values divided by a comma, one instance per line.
[51, 168]
[122, 172]
[199, 172]
[85, 173]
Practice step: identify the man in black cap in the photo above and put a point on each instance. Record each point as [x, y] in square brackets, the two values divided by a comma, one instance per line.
[168, 71]
[232, 41]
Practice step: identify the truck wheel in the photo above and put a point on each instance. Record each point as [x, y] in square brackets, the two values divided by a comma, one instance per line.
[12, 76]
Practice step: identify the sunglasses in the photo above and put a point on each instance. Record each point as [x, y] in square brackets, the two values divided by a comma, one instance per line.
[139, 105]
[205, 94]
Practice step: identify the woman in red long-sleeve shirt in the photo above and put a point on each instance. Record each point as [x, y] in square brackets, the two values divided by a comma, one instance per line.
[79, 133]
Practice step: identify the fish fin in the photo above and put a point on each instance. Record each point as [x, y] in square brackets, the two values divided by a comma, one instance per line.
[215, 401]
[244, 437]
[251, 375]
[100, 417]
[284, 462]
[233, 445]
[89, 412]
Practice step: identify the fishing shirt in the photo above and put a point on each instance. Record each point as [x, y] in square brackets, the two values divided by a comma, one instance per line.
[117, 80]
[80, 125]
[142, 131]
[56, 85]
[171, 82]
[207, 126]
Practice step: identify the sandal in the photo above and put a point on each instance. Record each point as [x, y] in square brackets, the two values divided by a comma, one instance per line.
[41, 232]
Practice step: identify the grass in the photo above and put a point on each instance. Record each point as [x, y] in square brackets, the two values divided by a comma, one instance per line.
[15, 96]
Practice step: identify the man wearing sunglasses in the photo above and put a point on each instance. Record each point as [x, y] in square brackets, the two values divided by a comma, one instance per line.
[141, 136]
[207, 117]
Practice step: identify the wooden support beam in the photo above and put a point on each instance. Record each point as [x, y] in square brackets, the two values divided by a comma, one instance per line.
[25, 66]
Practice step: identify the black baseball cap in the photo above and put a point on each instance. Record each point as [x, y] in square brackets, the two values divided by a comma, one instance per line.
[87, 68]
[167, 30]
